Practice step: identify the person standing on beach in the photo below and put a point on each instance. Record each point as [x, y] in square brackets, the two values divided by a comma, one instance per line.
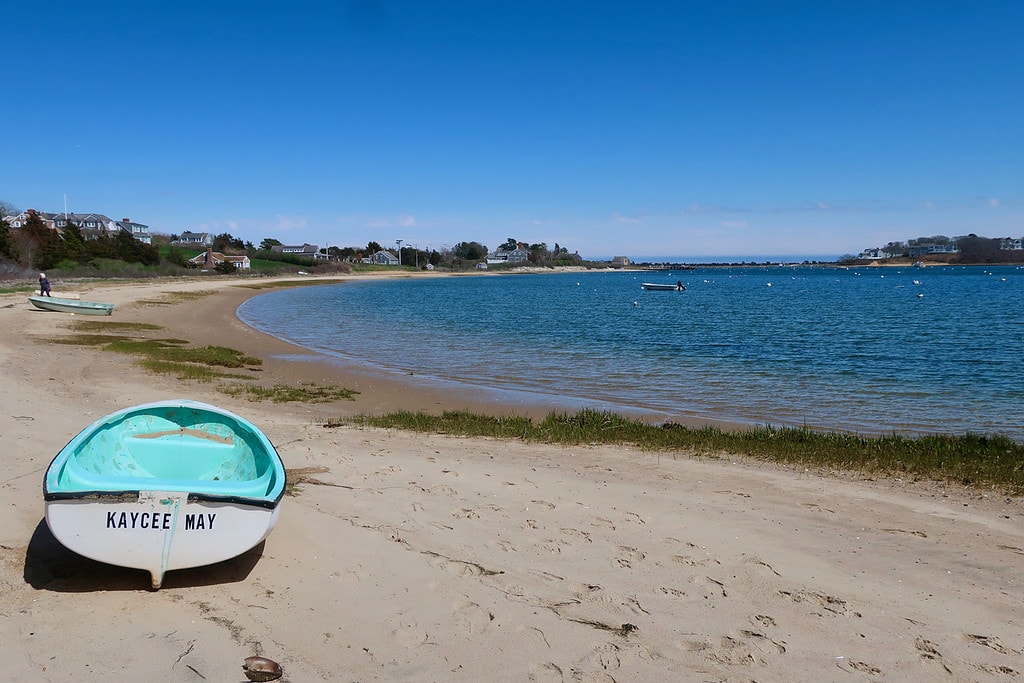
[44, 285]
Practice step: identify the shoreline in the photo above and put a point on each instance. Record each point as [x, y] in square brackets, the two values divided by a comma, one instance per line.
[405, 556]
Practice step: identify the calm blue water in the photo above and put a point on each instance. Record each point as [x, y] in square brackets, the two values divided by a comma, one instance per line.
[854, 349]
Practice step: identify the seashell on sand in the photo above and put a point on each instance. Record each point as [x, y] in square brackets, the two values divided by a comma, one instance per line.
[261, 669]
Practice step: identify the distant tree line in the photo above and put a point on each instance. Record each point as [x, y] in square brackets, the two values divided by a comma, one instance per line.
[969, 249]
[37, 246]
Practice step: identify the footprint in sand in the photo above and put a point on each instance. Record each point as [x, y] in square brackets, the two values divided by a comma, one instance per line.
[927, 648]
[502, 545]
[576, 533]
[825, 602]
[627, 557]
[472, 617]
[553, 545]
[740, 647]
[442, 490]
[594, 594]
[991, 642]
[695, 561]
[709, 588]
[864, 667]
[410, 636]
[606, 656]
[547, 672]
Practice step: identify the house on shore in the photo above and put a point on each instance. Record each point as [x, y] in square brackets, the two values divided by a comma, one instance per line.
[195, 240]
[517, 255]
[90, 224]
[210, 259]
[383, 258]
[310, 251]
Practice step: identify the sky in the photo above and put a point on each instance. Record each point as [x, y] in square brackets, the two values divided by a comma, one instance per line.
[668, 128]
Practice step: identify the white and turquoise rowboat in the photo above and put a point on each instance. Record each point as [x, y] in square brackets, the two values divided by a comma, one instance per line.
[53, 303]
[163, 486]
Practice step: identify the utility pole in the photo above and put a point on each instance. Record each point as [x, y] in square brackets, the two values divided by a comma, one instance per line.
[399, 243]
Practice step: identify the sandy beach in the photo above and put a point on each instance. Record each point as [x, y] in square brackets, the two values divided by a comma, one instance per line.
[408, 557]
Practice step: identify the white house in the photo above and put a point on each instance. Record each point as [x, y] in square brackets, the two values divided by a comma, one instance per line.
[193, 239]
[211, 259]
[310, 251]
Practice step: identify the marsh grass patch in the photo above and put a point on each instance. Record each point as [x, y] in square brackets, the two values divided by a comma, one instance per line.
[112, 325]
[972, 460]
[281, 284]
[177, 358]
[174, 350]
[282, 393]
[172, 298]
[189, 372]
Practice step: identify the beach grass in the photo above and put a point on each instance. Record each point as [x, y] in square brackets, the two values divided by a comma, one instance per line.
[281, 284]
[281, 393]
[172, 350]
[198, 364]
[189, 372]
[111, 325]
[171, 298]
[987, 462]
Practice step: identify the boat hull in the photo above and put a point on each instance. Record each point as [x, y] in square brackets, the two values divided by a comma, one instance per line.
[164, 486]
[656, 287]
[53, 303]
[157, 531]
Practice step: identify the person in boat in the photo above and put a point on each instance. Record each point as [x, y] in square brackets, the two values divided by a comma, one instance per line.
[679, 286]
[44, 285]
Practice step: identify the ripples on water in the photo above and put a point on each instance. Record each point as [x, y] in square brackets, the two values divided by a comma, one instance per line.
[865, 349]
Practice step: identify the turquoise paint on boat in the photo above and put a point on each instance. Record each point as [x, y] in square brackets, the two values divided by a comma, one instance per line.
[163, 486]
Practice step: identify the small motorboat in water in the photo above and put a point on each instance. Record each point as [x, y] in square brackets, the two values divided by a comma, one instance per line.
[657, 287]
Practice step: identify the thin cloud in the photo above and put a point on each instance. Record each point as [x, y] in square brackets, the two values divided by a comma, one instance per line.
[286, 223]
[403, 220]
[631, 219]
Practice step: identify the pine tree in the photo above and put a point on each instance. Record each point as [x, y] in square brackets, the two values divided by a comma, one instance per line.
[8, 251]
[48, 247]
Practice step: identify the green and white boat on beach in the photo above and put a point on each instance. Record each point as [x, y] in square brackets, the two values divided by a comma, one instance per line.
[163, 486]
[53, 303]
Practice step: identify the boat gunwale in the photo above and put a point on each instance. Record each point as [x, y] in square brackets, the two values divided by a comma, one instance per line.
[131, 495]
[162, 484]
